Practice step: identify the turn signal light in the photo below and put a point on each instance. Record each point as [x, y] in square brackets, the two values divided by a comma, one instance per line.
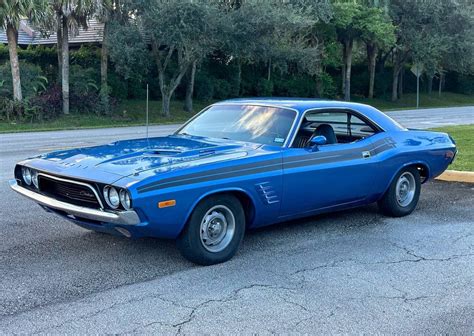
[166, 204]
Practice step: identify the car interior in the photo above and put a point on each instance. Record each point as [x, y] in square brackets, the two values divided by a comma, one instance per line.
[336, 126]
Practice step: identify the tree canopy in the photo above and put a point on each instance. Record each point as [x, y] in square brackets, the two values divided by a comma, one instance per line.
[322, 40]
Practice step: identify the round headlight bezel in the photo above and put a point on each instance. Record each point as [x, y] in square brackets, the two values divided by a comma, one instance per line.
[125, 199]
[26, 175]
[34, 178]
[109, 198]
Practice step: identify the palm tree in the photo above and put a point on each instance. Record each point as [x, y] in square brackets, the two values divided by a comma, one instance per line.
[11, 14]
[70, 15]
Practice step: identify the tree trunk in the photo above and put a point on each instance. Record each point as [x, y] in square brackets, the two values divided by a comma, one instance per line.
[59, 47]
[14, 64]
[165, 103]
[401, 81]
[104, 60]
[65, 70]
[188, 101]
[348, 61]
[430, 83]
[371, 55]
[238, 78]
[343, 70]
[440, 84]
[396, 73]
[269, 69]
[319, 86]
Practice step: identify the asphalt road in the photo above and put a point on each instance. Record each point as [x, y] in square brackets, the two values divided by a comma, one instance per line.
[435, 117]
[350, 272]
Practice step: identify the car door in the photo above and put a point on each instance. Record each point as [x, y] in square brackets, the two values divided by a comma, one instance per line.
[329, 176]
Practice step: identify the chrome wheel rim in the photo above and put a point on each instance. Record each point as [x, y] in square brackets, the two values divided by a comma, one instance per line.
[217, 228]
[405, 189]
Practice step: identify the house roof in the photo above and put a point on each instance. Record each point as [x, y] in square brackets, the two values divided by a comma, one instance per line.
[27, 35]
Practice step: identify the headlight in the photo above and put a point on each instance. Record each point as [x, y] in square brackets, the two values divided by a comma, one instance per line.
[26, 174]
[125, 199]
[34, 178]
[112, 197]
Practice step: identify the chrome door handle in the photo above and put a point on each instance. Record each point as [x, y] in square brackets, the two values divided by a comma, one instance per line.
[366, 154]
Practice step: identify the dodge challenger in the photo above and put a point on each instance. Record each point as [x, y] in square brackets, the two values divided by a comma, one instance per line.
[237, 165]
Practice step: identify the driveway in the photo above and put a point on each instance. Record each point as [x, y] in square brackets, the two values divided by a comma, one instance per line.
[350, 272]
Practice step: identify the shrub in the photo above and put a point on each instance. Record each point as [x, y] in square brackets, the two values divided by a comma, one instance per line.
[295, 86]
[465, 84]
[222, 89]
[264, 88]
[83, 81]
[18, 110]
[204, 87]
[87, 56]
[329, 88]
[118, 86]
[49, 102]
[32, 78]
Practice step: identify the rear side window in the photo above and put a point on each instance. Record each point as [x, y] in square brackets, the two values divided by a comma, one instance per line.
[347, 126]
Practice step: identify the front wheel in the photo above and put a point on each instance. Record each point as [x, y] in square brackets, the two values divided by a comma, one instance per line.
[402, 196]
[214, 230]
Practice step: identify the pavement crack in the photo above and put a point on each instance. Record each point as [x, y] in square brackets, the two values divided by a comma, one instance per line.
[112, 306]
[233, 296]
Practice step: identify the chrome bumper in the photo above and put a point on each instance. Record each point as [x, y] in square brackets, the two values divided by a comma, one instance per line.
[129, 217]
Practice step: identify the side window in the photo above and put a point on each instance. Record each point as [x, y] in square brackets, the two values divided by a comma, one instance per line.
[337, 120]
[346, 127]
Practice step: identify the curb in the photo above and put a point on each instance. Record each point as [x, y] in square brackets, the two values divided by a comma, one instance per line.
[457, 176]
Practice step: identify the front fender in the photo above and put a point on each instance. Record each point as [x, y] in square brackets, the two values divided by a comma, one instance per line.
[249, 196]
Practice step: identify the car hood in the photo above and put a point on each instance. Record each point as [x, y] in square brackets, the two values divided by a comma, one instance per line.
[133, 157]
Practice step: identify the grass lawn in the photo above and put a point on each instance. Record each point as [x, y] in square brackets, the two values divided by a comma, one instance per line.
[128, 113]
[132, 112]
[464, 137]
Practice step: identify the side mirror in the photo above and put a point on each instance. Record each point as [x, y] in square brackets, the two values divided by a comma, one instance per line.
[316, 141]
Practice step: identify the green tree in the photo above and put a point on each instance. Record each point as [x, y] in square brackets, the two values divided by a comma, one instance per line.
[429, 32]
[181, 33]
[68, 16]
[269, 32]
[11, 14]
[455, 45]
[376, 31]
[346, 21]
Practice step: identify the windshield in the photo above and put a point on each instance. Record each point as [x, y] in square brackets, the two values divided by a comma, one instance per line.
[260, 124]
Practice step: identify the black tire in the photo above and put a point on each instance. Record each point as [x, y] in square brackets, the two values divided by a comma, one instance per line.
[191, 244]
[390, 205]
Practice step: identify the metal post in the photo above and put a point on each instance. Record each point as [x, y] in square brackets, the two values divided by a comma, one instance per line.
[147, 111]
[418, 91]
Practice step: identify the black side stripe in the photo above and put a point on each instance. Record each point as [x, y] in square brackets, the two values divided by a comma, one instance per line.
[270, 165]
[176, 183]
[213, 172]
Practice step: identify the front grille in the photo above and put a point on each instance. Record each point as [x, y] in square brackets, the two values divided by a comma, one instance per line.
[68, 192]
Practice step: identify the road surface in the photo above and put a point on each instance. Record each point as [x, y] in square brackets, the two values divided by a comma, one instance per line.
[350, 272]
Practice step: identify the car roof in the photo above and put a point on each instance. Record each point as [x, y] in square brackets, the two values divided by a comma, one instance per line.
[303, 104]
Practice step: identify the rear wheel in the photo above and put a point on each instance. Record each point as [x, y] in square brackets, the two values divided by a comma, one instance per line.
[402, 196]
[214, 230]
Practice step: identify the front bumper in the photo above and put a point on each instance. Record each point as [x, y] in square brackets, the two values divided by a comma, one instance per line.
[129, 217]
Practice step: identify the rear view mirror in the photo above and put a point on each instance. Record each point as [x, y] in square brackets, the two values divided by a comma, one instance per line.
[316, 141]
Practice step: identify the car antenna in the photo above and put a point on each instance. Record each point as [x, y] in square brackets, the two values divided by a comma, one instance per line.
[147, 115]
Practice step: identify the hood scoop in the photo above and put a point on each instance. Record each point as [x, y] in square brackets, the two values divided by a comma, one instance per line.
[164, 152]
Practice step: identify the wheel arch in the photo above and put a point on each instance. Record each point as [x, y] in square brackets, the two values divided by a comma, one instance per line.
[247, 201]
[422, 167]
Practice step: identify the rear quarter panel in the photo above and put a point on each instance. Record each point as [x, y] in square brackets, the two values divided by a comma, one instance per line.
[434, 150]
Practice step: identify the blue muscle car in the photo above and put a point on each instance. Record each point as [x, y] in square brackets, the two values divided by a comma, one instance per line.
[239, 164]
